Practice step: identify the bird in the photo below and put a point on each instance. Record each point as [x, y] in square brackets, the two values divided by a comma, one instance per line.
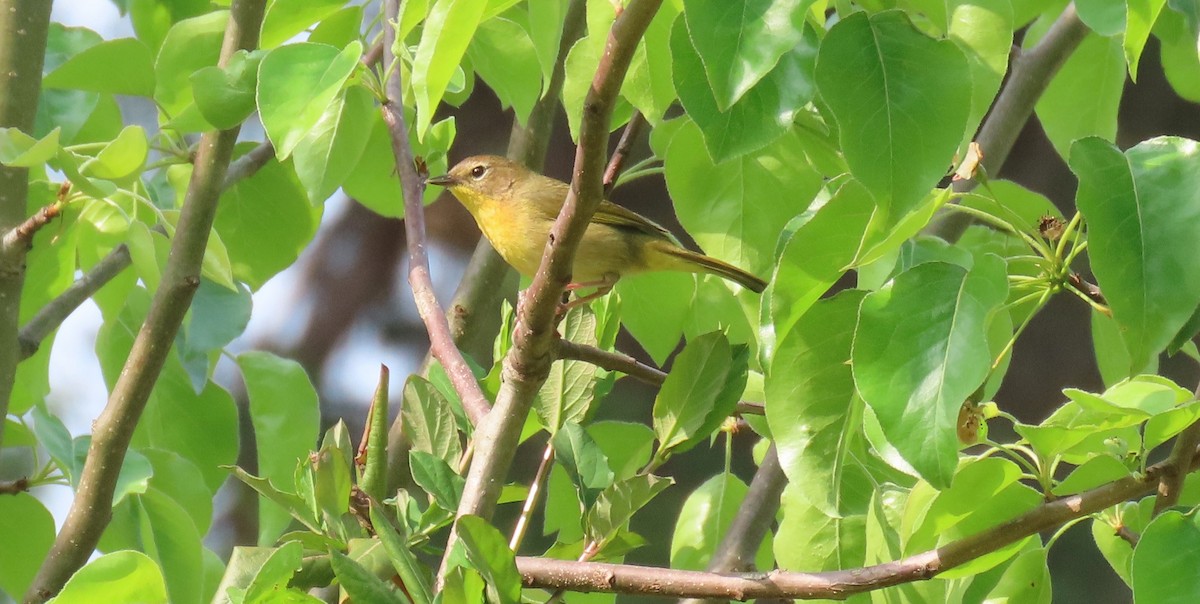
[515, 208]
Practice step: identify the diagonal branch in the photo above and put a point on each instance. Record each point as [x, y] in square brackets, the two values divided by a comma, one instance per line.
[1176, 466]
[628, 579]
[440, 343]
[1031, 73]
[51, 316]
[113, 430]
[528, 363]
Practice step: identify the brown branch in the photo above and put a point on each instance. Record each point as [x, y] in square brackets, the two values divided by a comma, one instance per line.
[628, 579]
[612, 361]
[23, 30]
[12, 487]
[23, 233]
[621, 153]
[1031, 73]
[475, 309]
[1127, 535]
[528, 363]
[51, 316]
[1176, 466]
[440, 343]
[113, 430]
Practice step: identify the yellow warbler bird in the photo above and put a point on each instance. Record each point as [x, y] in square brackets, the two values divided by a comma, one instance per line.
[516, 207]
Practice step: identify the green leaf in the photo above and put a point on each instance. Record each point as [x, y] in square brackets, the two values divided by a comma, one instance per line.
[122, 66]
[655, 309]
[200, 427]
[340, 28]
[19, 150]
[330, 151]
[503, 55]
[1104, 17]
[360, 584]
[27, 530]
[285, 19]
[1143, 232]
[983, 30]
[810, 394]
[762, 114]
[225, 97]
[1140, 16]
[1026, 579]
[703, 520]
[816, 254]
[1180, 60]
[1082, 100]
[488, 552]
[1165, 559]
[691, 389]
[569, 391]
[545, 31]
[125, 576]
[265, 222]
[986, 492]
[121, 158]
[740, 42]
[448, 30]
[190, 45]
[428, 420]
[286, 417]
[903, 112]
[412, 574]
[942, 311]
[734, 210]
[1097, 471]
[810, 539]
[296, 84]
[174, 543]
[218, 316]
[583, 461]
[180, 480]
[618, 503]
[293, 503]
[437, 478]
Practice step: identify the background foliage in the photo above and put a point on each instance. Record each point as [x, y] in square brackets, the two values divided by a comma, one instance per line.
[811, 142]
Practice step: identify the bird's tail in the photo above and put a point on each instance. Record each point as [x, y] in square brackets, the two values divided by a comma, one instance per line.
[699, 263]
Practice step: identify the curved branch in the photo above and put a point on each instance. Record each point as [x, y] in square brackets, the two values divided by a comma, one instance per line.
[528, 363]
[629, 579]
[1031, 73]
[113, 430]
[612, 361]
[1176, 466]
[440, 343]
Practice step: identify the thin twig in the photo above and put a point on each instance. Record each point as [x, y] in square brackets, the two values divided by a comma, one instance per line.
[23, 233]
[612, 361]
[528, 363]
[632, 130]
[547, 573]
[113, 430]
[1031, 73]
[440, 343]
[535, 491]
[12, 487]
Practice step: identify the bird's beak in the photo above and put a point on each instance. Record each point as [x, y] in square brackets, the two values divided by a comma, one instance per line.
[444, 180]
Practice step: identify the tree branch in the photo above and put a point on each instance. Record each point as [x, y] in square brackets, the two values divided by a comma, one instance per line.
[1031, 73]
[23, 30]
[528, 363]
[636, 122]
[440, 343]
[628, 579]
[1175, 467]
[51, 316]
[612, 361]
[112, 431]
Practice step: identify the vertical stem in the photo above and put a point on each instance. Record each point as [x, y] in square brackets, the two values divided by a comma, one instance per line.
[23, 27]
[112, 431]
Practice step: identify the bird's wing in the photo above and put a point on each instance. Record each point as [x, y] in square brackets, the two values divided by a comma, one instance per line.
[614, 215]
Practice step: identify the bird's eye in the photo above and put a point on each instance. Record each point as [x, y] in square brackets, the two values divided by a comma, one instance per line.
[478, 171]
